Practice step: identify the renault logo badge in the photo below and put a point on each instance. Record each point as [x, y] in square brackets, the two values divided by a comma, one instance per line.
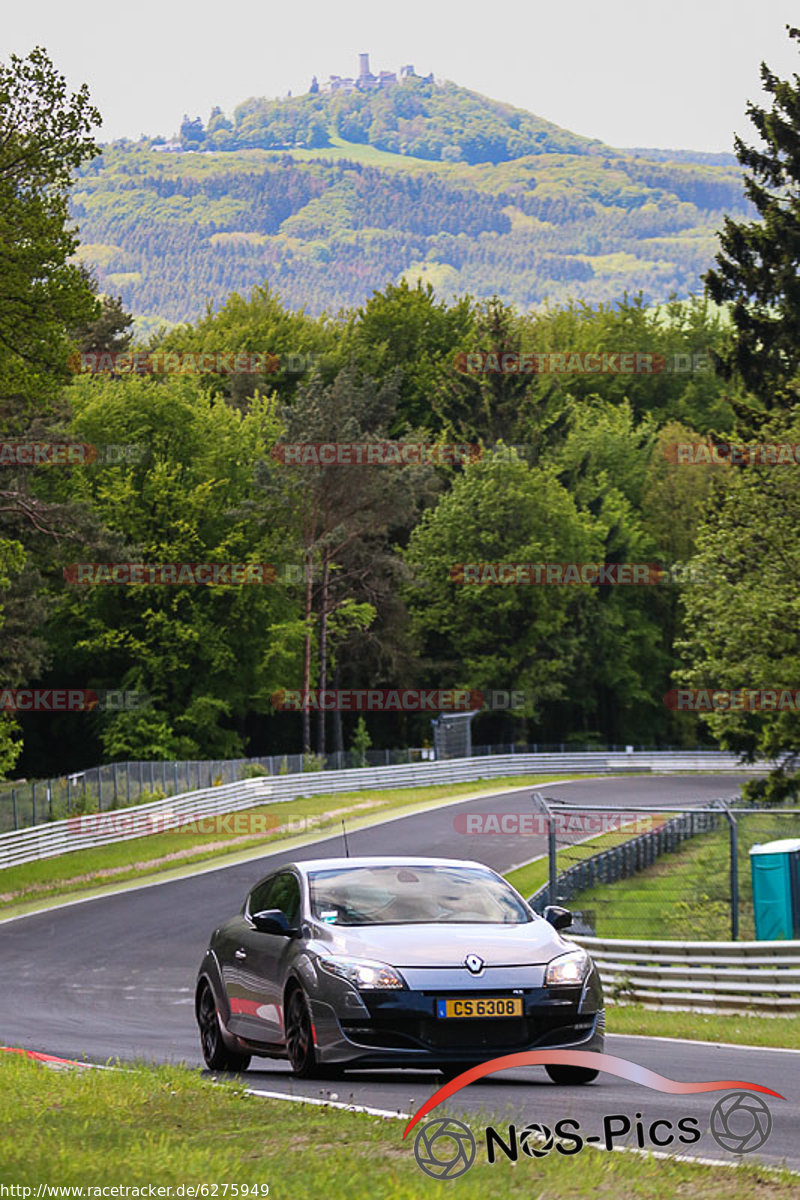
[474, 964]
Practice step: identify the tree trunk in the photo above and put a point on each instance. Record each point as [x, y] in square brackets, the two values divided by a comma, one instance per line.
[323, 651]
[307, 656]
[338, 736]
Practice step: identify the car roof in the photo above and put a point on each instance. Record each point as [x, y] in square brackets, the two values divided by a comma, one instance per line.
[324, 864]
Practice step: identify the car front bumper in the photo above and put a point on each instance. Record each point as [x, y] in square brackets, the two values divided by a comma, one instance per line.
[402, 1028]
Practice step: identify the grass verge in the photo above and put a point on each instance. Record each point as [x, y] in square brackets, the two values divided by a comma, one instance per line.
[81, 871]
[531, 876]
[751, 1030]
[686, 894]
[168, 1126]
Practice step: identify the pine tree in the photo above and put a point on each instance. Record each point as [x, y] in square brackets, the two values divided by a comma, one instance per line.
[757, 266]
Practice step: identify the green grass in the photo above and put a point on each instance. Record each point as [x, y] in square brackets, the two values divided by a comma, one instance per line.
[750, 1030]
[80, 871]
[531, 876]
[168, 1126]
[701, 863]
[338, 151]
[685, 895]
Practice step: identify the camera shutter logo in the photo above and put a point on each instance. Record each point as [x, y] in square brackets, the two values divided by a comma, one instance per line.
[536, 1140]
[444, 1148]
[740, 1122]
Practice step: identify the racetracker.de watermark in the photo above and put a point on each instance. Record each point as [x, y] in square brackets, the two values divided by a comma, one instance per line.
[737, 454]
[25, 700]
[66, 454]
[733, 700]
[133, 822]
[549, 574]
[574, 362]
[128, 574]
[539, 824]
[764, 454]
[545, 573]
[395, 700]
[175, 362]
[367, 454]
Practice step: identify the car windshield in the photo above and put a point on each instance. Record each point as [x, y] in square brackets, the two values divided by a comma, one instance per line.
[412, 895]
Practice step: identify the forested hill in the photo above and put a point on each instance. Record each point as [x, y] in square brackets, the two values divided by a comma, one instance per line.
[358, 191]
[441, 122]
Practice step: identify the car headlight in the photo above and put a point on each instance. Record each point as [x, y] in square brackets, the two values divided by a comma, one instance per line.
[363, 973]
[568, 968]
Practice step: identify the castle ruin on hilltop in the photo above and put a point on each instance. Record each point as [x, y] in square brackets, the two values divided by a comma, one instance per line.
[366, 81]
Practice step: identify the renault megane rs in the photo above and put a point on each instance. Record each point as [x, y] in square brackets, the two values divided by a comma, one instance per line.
[393, 962]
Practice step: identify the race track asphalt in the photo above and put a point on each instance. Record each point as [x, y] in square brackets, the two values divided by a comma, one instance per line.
[113, 977]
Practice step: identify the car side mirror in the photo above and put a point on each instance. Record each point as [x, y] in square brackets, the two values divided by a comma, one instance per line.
[559, 918]
[272, 920]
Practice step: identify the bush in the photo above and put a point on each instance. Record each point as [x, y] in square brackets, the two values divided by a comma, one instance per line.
[313, 762]
[253, 770]
[361, 744]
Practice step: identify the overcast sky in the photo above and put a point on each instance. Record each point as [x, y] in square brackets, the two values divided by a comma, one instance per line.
[631, 72]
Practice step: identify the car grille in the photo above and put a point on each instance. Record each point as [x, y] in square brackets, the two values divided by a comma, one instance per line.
[475, 1034]
[467, 1036]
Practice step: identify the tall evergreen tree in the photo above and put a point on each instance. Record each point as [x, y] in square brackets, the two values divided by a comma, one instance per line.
[757, 266]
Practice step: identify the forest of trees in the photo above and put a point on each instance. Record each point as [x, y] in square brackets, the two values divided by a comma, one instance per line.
[171, 232]
[575, 466]
[416, 118]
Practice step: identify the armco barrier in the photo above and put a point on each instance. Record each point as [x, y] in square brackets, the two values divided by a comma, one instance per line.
[27, 802]
[57, 837]
[689, 976]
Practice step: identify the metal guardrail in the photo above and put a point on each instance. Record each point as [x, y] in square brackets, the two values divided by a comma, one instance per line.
[116, 825]
[705, 976]
[29, 802]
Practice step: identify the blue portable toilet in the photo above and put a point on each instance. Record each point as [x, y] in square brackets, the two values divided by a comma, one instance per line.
[775, 870]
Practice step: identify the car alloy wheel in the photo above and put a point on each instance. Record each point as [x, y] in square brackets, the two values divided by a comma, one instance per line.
[216, 1054]
[300, 1036]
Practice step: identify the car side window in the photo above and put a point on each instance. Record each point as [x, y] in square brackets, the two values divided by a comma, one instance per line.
[286, 897]
[281, 891]
[261, 896]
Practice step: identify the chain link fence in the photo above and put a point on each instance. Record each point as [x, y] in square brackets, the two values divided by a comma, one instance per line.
[118, 785]
[671, 875]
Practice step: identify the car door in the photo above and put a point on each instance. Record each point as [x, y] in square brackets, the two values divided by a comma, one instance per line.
[263, 968]
[236, 970]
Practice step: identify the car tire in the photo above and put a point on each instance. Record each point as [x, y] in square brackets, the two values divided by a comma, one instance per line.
[216, 1054]
[300, 1037]
[570, 1075]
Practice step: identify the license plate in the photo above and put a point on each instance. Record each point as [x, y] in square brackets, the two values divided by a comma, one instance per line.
[487, 1006]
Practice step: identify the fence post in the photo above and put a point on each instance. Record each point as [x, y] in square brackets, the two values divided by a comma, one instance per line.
[734, 844]
[551, 857]
[33, 799]
[14, 805]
